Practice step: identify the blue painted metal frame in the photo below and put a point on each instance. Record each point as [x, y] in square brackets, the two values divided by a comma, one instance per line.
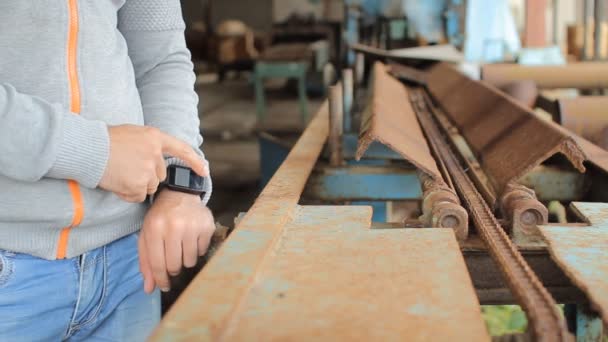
[272, 155]
[365, 183]
[586, 325]
[375, 151]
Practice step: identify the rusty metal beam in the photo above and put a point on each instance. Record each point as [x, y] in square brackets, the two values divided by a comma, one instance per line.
[205, 309]
[595, 154]
[390, 119]
[586, 116]
[582, 253]
[583, 75]
[507, 138]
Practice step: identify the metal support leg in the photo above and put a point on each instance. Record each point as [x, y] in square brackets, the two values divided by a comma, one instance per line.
[598, 39]
[336, 125]
[348, 92]
[586, 325]
[260, 101]
[589, 327]
[303, 97]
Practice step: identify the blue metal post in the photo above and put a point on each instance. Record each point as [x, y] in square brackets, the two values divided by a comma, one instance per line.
[589, 327]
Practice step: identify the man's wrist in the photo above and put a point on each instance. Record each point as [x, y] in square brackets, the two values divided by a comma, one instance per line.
[166, 192]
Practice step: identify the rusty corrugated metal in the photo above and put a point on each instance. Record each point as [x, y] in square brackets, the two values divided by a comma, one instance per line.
[583, 75]
[390, 119]
[331, 278]
[507, 138]
[205, 309]
[582, 253]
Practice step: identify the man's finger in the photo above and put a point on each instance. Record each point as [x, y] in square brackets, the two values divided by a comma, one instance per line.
[156, 256]
[173, 254]
[203, 244]
[153, 186]
[190, 247]
[183, 151]
[144, 266]
[161, 169]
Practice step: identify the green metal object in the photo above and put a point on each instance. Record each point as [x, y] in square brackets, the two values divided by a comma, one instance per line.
[265, 70]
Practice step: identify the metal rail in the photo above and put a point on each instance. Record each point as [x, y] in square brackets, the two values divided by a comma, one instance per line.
[545, 321]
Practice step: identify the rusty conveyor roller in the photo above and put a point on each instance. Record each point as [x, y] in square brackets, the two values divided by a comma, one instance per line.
[507, 138]
[390, 119]
[545, 320]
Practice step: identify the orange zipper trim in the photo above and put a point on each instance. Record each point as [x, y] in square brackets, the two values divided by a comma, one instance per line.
[75, 192]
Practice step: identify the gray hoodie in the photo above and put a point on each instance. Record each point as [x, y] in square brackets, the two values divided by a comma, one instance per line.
[68, 70]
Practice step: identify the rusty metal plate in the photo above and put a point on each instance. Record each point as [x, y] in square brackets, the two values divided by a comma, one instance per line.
[205, 307]
[332, 278]
[582, 253]
[508, 139]
[391, 120]
[584, 75]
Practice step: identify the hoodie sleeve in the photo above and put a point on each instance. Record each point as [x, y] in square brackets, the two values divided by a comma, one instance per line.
[39, 139]
[154, 31]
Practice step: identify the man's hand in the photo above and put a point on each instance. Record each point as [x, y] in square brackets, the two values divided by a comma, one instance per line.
[176, 231]
[137, 166]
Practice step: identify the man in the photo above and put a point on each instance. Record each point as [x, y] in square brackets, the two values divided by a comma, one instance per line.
[96, 99]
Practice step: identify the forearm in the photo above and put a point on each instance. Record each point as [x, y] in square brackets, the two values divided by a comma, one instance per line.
[165, 81]
[39, 139]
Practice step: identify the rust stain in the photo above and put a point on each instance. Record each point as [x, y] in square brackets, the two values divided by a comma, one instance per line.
[508, 139]
[391, 120]
[582, 252]
[331, 278]
[205, 308]
[584, 75]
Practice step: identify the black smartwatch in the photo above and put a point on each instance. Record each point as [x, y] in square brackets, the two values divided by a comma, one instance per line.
[183, 179]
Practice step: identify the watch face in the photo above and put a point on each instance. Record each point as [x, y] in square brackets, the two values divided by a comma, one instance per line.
[182, 177]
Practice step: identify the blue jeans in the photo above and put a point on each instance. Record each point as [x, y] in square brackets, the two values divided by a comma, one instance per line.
[95, 297]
